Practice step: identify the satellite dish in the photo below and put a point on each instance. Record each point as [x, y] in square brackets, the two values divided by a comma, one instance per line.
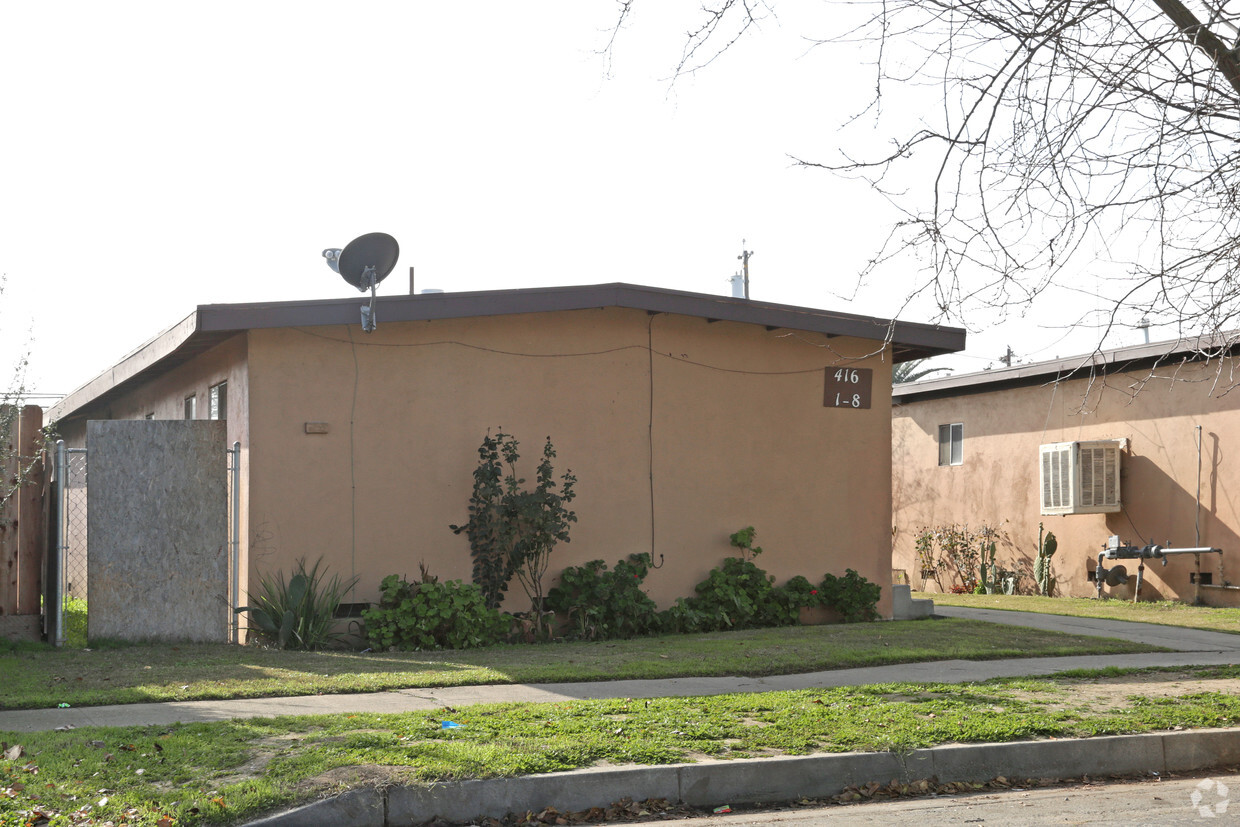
[364, 262]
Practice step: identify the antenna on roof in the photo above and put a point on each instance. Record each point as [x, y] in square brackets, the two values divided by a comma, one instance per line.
[364, 262]
[744, 259]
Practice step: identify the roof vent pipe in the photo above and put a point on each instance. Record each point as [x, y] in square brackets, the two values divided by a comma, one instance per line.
[738, 286]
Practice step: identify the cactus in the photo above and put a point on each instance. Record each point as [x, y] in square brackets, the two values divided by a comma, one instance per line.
[1047, 544]
[989, 579]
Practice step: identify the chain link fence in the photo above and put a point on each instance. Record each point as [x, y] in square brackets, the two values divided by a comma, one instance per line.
[74, 568]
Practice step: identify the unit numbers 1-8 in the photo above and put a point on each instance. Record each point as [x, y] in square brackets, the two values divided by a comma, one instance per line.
[842, 401]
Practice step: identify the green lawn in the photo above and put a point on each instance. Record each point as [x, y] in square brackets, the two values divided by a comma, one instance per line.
[1166, 612]
[35, 678]
[233, 771]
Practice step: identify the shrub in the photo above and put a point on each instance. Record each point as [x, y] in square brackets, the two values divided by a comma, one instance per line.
[736, 595]
[682, 618]
[298, 613]
[854, 597]
[798, 592]
[602, 604]
[75, 623]
[512, 531]
[431, 615]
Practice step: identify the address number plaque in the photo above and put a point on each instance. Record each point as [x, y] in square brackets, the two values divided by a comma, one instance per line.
[848, 387]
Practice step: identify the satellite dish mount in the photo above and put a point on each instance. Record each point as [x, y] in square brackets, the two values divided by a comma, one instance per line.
[364, 262]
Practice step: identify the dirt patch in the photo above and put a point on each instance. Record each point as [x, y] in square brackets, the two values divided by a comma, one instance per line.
[1106, 693]
[347, 778]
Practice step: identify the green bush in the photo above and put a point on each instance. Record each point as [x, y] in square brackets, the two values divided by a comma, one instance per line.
[798, 592]
[431, 615]
[298, 613]
[738, 594]
[854, 597]
[682, 618]
[75, 623]
[602, 604]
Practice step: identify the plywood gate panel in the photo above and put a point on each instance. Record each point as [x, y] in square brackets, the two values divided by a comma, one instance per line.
[157, 531]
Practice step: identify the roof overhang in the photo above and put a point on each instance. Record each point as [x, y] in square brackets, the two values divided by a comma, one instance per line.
[1097, 363]
[211, 324]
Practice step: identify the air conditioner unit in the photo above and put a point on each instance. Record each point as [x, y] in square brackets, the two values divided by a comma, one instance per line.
[1080, 477]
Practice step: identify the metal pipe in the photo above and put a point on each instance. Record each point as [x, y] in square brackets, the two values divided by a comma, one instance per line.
[1163, 552]
[1197, 524]
[1098, 575]
[236, 538]
[1197, 518]
[1136, 593]
[62, 544]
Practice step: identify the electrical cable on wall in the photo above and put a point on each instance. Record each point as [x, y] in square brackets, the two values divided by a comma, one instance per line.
[673, 358]
[352, 466]
[650, 423]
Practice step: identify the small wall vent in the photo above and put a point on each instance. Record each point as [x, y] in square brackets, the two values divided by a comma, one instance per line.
[1080, 477]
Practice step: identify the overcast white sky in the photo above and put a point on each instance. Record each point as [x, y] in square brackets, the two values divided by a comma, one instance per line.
[162, 155]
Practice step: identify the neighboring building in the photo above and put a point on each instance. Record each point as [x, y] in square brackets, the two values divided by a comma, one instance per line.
[1153, 425]
[685, 417]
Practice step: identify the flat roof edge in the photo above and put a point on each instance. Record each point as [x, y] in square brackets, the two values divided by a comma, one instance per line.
[910, 336]
[1075, 367]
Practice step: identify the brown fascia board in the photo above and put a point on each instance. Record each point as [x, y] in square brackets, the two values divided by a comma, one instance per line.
[909, 340]
[213, 323]
[1097, 363]
[147, 355]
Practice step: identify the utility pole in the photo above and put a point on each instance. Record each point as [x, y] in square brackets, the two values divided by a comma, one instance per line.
[1006, 358]
[744, 258]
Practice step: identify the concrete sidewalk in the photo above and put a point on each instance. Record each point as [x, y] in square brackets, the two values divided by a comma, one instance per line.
[1193, 648]
[1169, 637]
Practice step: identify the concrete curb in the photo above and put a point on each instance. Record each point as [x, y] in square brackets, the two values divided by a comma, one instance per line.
[769, 780]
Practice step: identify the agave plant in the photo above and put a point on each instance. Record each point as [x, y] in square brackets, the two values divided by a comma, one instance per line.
[298, 613]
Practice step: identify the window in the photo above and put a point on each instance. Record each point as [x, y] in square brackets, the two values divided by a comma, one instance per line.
[191, 406]
[951, 444]
[217, 401]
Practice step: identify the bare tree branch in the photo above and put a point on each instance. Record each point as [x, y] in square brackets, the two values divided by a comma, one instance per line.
[1076, 138]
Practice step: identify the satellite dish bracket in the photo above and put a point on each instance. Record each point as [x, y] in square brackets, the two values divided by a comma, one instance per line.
[369, 320]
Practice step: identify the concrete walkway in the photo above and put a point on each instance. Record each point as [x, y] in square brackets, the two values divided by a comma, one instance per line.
[1192, 648]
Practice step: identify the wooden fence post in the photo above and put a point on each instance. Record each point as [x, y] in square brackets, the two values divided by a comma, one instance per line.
[31, 540]
[22, 540]
[9, 570]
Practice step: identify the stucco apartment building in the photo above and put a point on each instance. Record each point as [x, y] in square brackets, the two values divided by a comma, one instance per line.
[685, 417]
[1136, 442]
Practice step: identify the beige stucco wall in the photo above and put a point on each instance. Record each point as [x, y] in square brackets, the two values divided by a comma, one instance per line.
[713, 427]
[997, 484]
